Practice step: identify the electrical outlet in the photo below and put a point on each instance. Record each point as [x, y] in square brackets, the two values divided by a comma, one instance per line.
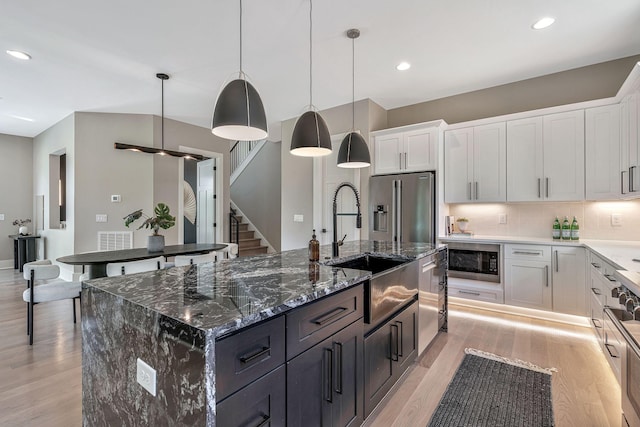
[616, 219]
[115, 198]
[101, 218]
[502, 218]
[298, 218]
[146, 376]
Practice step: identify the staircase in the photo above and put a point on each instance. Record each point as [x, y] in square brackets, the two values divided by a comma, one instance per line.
[248, 244]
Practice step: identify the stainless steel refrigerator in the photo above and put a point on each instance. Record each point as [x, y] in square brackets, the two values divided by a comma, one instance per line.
[402, 207]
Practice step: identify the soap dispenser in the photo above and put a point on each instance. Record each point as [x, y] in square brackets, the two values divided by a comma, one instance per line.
[314, 248]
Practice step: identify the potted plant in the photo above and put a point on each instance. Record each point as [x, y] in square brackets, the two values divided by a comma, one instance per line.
[462, 223]
[161, 219]
[22, 228]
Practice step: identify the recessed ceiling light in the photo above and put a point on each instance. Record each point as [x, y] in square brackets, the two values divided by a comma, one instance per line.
[18, 54]
[26, 119]
[543, 23]
[403, 66]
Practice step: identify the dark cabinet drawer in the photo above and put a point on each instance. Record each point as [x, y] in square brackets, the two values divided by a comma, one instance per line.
[312, 323]
[263, 403]
[248, 355]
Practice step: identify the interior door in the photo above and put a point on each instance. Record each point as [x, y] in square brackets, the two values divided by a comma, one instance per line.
[206, 217]
[327, 177]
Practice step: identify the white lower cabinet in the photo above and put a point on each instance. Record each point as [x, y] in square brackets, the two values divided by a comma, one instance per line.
[545, 277]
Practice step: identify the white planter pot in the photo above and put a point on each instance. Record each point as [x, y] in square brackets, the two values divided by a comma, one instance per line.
[462, 225]
[23, 231]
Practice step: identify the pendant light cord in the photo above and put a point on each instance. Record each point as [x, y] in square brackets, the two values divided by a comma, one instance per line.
[310, 54]
[162, 112]
[241, 73]
[353, 84]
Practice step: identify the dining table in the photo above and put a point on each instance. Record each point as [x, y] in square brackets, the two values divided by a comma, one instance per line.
[97, 261]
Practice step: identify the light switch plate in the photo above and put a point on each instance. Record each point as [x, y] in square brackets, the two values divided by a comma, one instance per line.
[502, 218]
[298, 218]
[101, 218]
[616, 219]
[1, 217]
[115, 198]
[146, 376]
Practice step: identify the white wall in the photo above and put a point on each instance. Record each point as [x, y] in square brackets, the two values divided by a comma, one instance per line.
[16, 189]
[61, 136]
[536, 219]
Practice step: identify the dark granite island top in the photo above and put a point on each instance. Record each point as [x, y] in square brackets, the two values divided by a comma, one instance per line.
[171, 319]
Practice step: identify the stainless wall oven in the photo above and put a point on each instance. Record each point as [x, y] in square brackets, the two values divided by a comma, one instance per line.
[475, 261]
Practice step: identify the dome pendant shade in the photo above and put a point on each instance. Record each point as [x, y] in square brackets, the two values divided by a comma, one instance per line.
[239, 113]
[354, 152]
[311, 136]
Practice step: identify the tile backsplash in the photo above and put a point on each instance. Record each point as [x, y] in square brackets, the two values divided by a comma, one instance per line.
[536, 219]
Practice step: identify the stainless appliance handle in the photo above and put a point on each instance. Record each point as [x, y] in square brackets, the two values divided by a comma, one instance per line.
[469, 293]
[546, 187]
[622, 182]
[539, 188]
[546, 275]
[476, 192]
[429, 266]
[557, 267]
[399, 201]
[631, 343]
[394, 231]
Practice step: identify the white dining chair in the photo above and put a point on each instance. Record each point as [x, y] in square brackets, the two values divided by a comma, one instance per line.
[231, 251]
[131, 267]
[182, 260]
[50, 291]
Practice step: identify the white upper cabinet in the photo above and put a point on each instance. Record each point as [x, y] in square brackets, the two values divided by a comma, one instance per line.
[475, 164]
[605, 179]
[525, 170]
[406, 151]
[629, 144]
[545, 158]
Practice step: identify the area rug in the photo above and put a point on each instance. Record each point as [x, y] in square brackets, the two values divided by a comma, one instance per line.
[490, 391]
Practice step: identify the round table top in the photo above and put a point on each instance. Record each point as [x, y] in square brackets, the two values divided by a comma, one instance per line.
[123, 255]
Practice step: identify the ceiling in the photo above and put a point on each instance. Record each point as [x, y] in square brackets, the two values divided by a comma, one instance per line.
[103, 56]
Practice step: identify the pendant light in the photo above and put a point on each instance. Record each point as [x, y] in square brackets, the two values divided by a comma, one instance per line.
[161, 151]
[311, 136]
[354, 152]
[239, 113]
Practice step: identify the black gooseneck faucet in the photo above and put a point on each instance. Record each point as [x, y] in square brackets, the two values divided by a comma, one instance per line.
[337, 243]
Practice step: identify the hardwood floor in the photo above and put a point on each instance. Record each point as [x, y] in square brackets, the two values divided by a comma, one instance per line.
[42, 385]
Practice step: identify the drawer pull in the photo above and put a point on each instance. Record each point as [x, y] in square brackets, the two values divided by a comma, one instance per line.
[615, 354]
[393, 346]
[328, 375]
[595, 325]
[469, 293]
[596, 291]
[595, 265]
[329, 316]
[256, 355]
[526, 253]
[400, 334]
[610, 278]
[265, 420]
[338, 350]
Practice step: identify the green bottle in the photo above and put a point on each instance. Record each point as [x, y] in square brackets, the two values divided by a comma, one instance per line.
[575, 229]
[566, 229]
[556, 229]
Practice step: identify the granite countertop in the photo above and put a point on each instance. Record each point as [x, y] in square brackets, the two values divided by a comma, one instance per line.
[230, 294]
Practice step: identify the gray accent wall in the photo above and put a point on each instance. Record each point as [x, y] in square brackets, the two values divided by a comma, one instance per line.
[16, 189]
[580, 84]
[256, 192]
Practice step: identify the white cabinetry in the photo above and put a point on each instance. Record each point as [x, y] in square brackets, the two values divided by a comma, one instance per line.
[605, 180]
[629, 142]
[546, 278]
[409, 150]
[475, 164]
[545, 158]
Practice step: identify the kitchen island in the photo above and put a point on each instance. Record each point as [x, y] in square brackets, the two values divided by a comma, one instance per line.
[173, 319]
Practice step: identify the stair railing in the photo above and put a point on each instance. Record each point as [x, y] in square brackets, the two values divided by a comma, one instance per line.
[234, 227]
[240, 151]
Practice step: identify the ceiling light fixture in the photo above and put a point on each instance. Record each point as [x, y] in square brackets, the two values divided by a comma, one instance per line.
[311, 136]
[18, 54]
[161, 151]
[403, 66]
[239, 113]
[543, 23]
[354, 152]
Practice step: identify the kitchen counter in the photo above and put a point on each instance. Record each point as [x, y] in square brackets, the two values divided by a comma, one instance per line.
[171, 319]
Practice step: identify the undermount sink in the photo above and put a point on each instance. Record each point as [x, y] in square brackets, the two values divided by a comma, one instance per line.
[367, 262]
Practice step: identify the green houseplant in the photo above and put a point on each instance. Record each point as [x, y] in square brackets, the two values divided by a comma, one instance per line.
[161, 219]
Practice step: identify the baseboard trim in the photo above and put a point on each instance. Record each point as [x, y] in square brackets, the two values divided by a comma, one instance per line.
[6, 264]
[568, 319]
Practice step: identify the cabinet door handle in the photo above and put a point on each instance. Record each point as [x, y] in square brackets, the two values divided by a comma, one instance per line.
[469, 293]
[405, 161]
[469, 194]
[265, 420]
[546, 275]
[622, 182]
[328, 375]
[546, 187]
[329, 316]
[400, 161]
[539, 188]
[596, 265]
[476, 190]
[526, 253]
[615, 354]
[557, 267]
[595, 325]
[256, 355]
[400, 333]
[610, 278]
[631, 179]
[393, 343]
[337, 348]
[596, 291]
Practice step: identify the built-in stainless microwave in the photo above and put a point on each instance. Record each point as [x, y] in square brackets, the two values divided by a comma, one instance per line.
[474, 261]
